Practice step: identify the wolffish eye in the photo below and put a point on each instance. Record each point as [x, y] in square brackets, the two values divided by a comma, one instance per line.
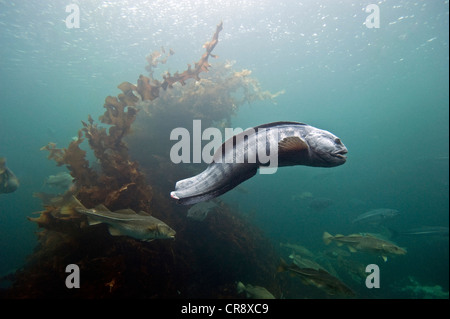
[337, 140]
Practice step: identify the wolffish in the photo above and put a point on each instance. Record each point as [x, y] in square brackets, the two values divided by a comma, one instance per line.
[294, 143]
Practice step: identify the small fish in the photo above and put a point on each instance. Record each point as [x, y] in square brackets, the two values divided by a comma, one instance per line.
[126, 222]
[319, 278]
[8, 181]
[304, 262]
[299, 249]
[353, 268]
[61, 180]
[254, 292]
[336, 252]
[296, 144]
[201, 210]
[437, 231]
[366, 243]
[376, 216]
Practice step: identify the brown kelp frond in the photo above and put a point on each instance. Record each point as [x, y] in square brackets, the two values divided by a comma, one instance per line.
[120, 184]
[201, 66]
[157, 57]
[148, 88]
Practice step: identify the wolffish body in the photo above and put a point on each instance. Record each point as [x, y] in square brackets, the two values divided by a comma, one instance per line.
[240, 157]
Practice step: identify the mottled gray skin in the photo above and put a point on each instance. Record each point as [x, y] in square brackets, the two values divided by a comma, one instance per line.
[318, 148]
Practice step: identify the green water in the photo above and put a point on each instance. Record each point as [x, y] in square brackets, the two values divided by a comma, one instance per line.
[383, 91]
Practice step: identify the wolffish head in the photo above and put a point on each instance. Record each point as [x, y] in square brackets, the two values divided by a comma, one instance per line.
[326, 149]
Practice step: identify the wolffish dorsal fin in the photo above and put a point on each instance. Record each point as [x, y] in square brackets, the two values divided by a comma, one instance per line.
[268, 125]
[292, 144]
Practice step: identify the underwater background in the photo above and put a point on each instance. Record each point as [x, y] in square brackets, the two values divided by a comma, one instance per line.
[383, 91]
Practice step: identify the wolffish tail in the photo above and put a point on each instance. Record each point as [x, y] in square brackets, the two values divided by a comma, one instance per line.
[216, 180]
[189, 191]
[192, 200]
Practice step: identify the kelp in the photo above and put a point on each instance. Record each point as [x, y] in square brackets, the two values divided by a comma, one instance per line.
[157, 57]
[148, 88]
[207, 258]
[120, 183]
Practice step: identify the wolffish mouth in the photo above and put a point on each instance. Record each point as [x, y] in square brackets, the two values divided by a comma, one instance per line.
[341, 154]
